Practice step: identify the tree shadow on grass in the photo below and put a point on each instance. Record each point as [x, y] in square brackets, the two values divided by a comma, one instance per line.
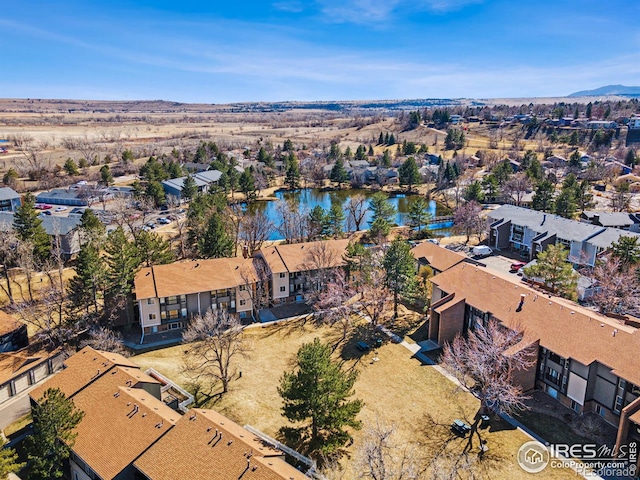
[286, 328]
[448, 449]
[204, 396]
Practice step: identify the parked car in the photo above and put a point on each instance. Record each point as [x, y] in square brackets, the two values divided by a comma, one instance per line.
[43, 206]
[46, 212]
[60, 209]
[151, 225]
[164, 221]
[516, 266]
[164, 208]
[363, 346]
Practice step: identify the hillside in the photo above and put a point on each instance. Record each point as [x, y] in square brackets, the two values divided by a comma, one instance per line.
[609, 90]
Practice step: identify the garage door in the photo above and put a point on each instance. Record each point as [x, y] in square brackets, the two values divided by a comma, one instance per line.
[21, 383]
[41, 371]
[4, 393]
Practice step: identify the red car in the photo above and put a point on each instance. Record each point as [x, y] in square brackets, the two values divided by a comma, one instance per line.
[516, 266]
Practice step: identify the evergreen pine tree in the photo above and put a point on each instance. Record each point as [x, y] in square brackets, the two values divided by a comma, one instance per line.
[28, 227]
[215, 242]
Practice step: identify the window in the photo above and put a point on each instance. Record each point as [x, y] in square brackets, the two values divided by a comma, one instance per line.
[282, 275]
[163, 315]
[600, 410]
[556, 358]
[152, 316]
[243, 303]
[172, 300]
[617, 407]
[183, 313]
[173, 314]
[283, 288]
[242, 288]
[575, 406]
[151, 301]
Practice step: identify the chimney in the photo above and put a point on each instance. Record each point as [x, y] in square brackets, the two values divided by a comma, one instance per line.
[596, 219]
[521, 304]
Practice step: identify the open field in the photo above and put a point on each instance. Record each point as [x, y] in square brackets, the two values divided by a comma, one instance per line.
[396, 389]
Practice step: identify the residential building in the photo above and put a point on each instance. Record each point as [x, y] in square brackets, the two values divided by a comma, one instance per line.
[9, 199]
[436, 257]
[206, 445]
[13, 334]
[621, 220]
[586, 361]
[602, 124]
[129, 433]
[170, 295]
[531, 231]
[203, 180]
[64, 231]
[81, 196]
[292, 266]
[21, 369]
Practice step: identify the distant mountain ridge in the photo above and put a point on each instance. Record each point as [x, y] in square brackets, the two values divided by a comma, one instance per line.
[609, 90]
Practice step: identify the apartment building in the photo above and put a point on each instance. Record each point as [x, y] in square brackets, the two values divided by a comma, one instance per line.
[292, 267]
[169, 295]
[129, 433]
[586, 361]
[530, 232]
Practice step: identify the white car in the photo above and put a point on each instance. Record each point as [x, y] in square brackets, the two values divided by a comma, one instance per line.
[60, 209]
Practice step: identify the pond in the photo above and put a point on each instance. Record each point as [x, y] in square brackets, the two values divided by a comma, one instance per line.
[308, 198]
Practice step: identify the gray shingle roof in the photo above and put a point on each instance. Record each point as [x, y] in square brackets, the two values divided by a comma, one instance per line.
[8, 193]
[52, 225]
[545, 222]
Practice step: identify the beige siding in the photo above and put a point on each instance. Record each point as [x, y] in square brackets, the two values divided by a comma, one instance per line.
[146, 310]
[280, 282]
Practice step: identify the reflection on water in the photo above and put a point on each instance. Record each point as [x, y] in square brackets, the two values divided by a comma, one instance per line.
[308, 198]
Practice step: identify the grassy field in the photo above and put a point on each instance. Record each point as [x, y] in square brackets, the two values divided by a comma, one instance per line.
[395, 389]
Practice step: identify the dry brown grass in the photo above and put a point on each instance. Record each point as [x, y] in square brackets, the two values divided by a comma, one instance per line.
[396, 388]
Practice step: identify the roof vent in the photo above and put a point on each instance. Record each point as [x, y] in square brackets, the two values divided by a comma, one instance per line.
[117, 394]
[615, 332]
[602, 324]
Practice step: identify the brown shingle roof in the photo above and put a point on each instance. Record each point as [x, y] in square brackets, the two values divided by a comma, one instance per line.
[83, 367]
[205, 445]
[15, 364]
[8, 323]
[113, 432]
[438, 257]
[562, 326]
[295, 257]
[193, 276]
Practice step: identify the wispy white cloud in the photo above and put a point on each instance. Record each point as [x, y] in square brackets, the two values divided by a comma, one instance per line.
[365, 11]
[292, 6]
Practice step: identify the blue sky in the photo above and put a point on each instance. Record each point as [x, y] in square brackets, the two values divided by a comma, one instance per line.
[229, 51]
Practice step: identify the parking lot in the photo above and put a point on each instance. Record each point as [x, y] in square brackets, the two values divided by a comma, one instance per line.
[498, 263]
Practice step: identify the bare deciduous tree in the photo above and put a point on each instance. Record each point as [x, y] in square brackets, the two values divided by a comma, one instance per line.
[255, 229]
[293, 223]
[107, 340]
[484, 362]
[382, 456]
[617, 289]
[215, 341]
[375, 297]
[335, 302]
[467, 220]
[356, 209]
[516, 187]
